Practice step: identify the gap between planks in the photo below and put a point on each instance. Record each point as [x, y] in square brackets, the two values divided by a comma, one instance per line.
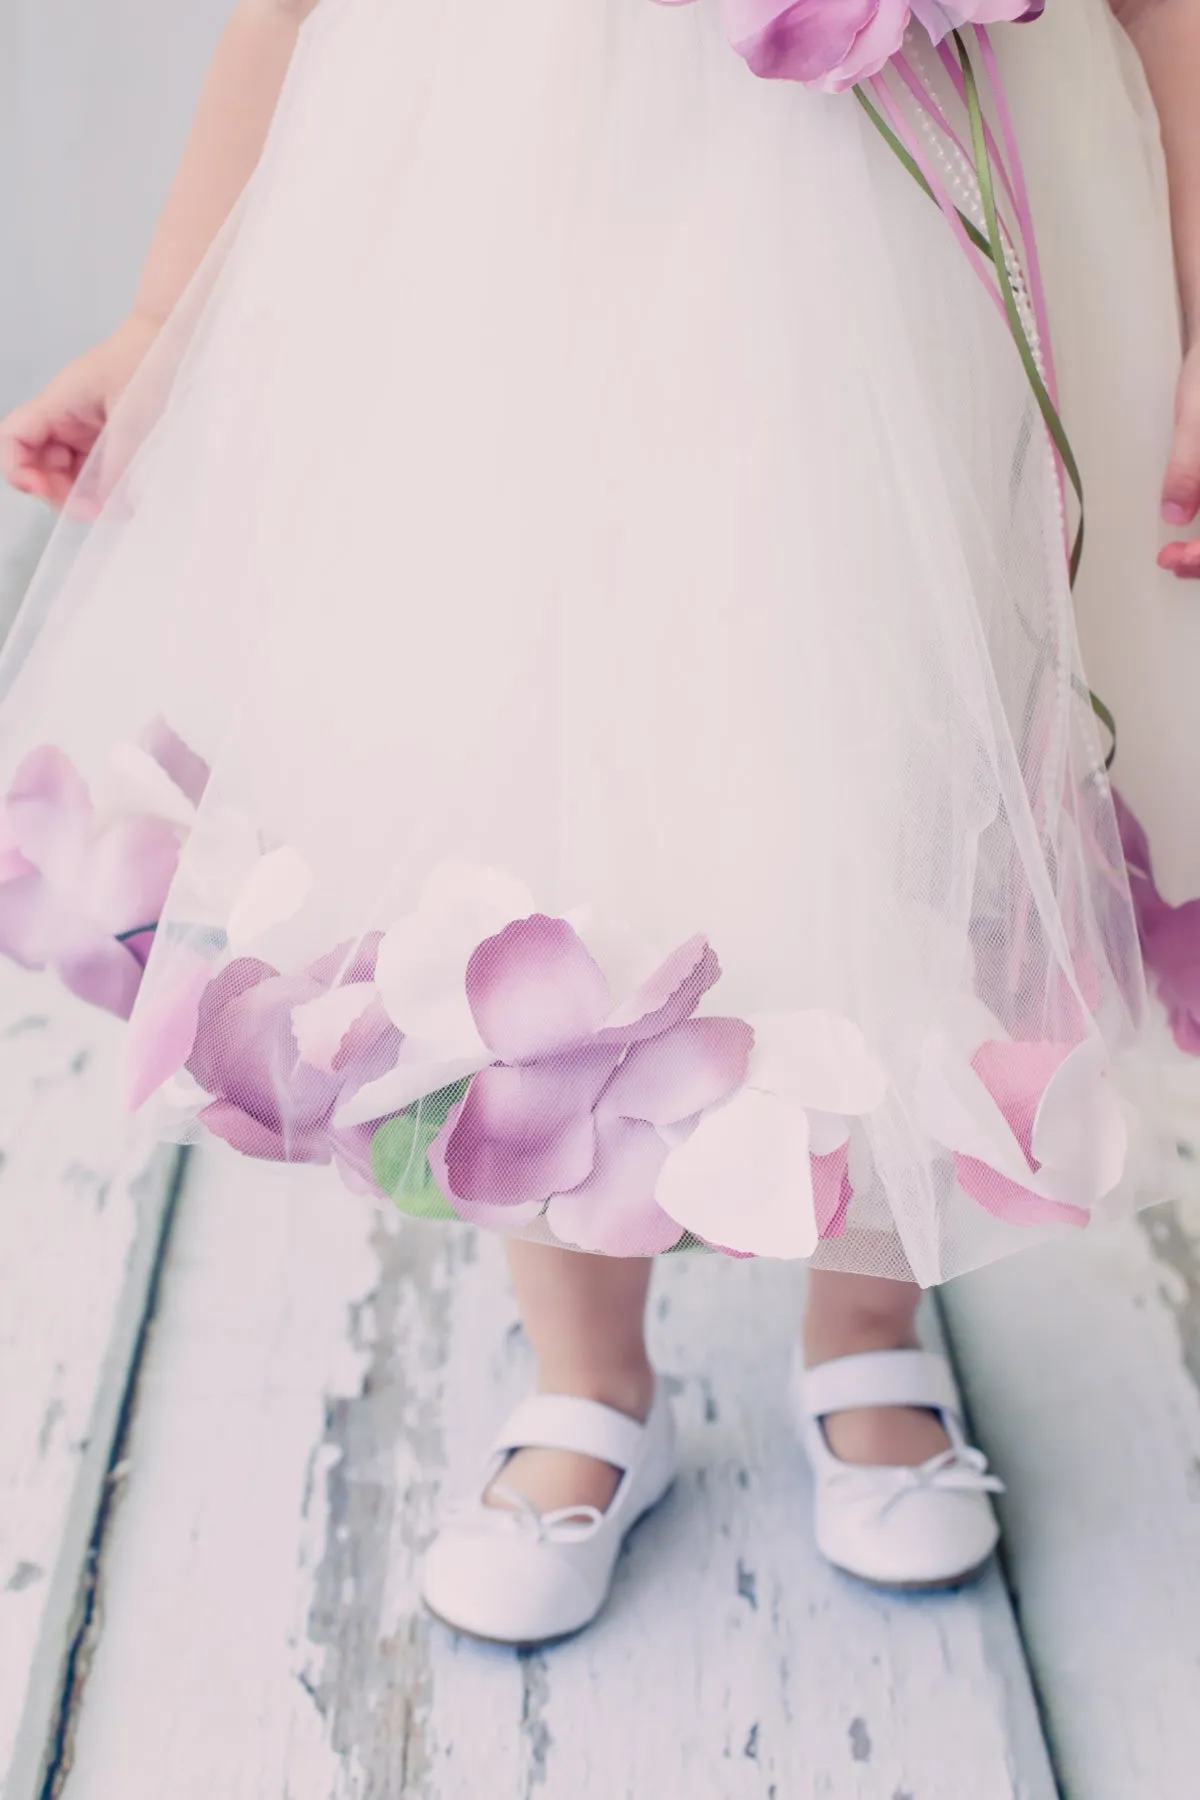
[82, 1215]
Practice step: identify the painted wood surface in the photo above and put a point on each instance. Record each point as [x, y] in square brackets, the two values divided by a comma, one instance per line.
[81, 1210]
[1082, 1364]
[313, 1379]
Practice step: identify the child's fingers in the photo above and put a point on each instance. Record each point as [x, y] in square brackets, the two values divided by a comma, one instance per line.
[1182, 560]
[23, 435]
[1181, 489]
[42, 449]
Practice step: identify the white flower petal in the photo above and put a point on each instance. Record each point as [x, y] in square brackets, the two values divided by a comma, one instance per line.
[320, 1025]
[182, 1097]
[1079, 1129]
[421, 970]
[421, 974]
[278, 887]
[492, 894]
[223, 850]
[956, 1109]
[827, 1132]
[421, 962]
[743, 1178]
[135, 784]
[679, 1132]
[817, 1059]
[966, 1022]
[407, 1082]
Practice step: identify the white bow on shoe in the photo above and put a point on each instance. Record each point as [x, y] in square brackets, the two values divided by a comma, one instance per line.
[928, 1526]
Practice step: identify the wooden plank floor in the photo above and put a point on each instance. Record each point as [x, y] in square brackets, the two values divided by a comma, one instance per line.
[81, 1210]
[1082, 1365]
[229, 1592]
[313, 1377]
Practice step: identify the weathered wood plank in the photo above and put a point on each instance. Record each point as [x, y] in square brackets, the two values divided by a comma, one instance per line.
[315, 1375]
[1082, 1363]
[81, 1212]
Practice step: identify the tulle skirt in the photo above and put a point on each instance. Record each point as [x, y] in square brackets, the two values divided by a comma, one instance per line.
[561, 699]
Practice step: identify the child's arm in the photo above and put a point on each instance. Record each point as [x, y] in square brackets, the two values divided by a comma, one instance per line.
[1166, 34]
[44, 443]
[235, 111]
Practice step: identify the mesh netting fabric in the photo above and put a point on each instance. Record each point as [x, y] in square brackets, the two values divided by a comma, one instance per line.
[599, 548]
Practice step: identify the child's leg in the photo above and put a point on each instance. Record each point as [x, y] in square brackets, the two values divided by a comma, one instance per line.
[849, 1313]
[584, 1316]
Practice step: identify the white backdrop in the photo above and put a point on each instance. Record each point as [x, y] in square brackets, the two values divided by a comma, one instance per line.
[95, 100]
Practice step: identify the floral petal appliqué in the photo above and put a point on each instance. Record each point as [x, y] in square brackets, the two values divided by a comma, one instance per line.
[743, 1179]
[275, 892]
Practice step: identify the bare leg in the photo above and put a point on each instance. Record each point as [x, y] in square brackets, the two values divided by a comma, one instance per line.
[584, 1316]
[850, 1313]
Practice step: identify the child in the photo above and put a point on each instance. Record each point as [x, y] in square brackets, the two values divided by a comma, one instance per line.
[586, 567]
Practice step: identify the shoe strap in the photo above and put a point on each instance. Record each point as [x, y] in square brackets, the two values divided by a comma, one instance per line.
[879, 1378]
[562, 1422]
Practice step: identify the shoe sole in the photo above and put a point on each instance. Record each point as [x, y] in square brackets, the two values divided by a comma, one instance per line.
[942, 1585]
[561, 1637]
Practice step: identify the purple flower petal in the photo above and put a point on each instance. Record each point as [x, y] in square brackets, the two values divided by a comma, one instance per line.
[27, 916]
[93, 965]
[533, 988]
[369, 1049]
[1170, 935]
[489, 1217]
[832, 1192]
[614, 1211]
[140, 944]
[352, 1156]
[12, 863]
[246, 1052]
[50, 813]
[163, 1031]
[126, 874]
[1148, 903]
[189, 772]
[1016, 1075]
[801, 41]
[1008, 1200]
[240, 977]
[353, 961]
[527, 1132]
[250, 1137]
[681, 1072]
[671, 995]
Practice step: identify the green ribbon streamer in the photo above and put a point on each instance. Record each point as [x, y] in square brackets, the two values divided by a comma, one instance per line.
[992, 246]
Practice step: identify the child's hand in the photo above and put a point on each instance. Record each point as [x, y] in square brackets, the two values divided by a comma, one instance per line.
[45, 443]
[1181, 492]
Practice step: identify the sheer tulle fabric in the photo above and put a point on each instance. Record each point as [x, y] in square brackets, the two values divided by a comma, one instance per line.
[597, 539]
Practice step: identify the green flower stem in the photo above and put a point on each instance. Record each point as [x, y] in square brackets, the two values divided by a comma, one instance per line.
[991, 245]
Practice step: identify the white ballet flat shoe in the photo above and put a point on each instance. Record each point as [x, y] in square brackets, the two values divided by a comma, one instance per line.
[522, 1577]
[931, 1526]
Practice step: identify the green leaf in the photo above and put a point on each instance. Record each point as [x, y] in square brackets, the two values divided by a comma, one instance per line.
[400, 1154]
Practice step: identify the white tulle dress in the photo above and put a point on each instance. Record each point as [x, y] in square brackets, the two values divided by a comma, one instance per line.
[560, 700]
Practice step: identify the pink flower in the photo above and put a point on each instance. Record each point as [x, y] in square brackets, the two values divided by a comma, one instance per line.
[1170, 935]
[766, 1172]
[267, 1100]
[834, 44]
[79, 894]
[830, 44]
[576, 1096]
[1036, 1131]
